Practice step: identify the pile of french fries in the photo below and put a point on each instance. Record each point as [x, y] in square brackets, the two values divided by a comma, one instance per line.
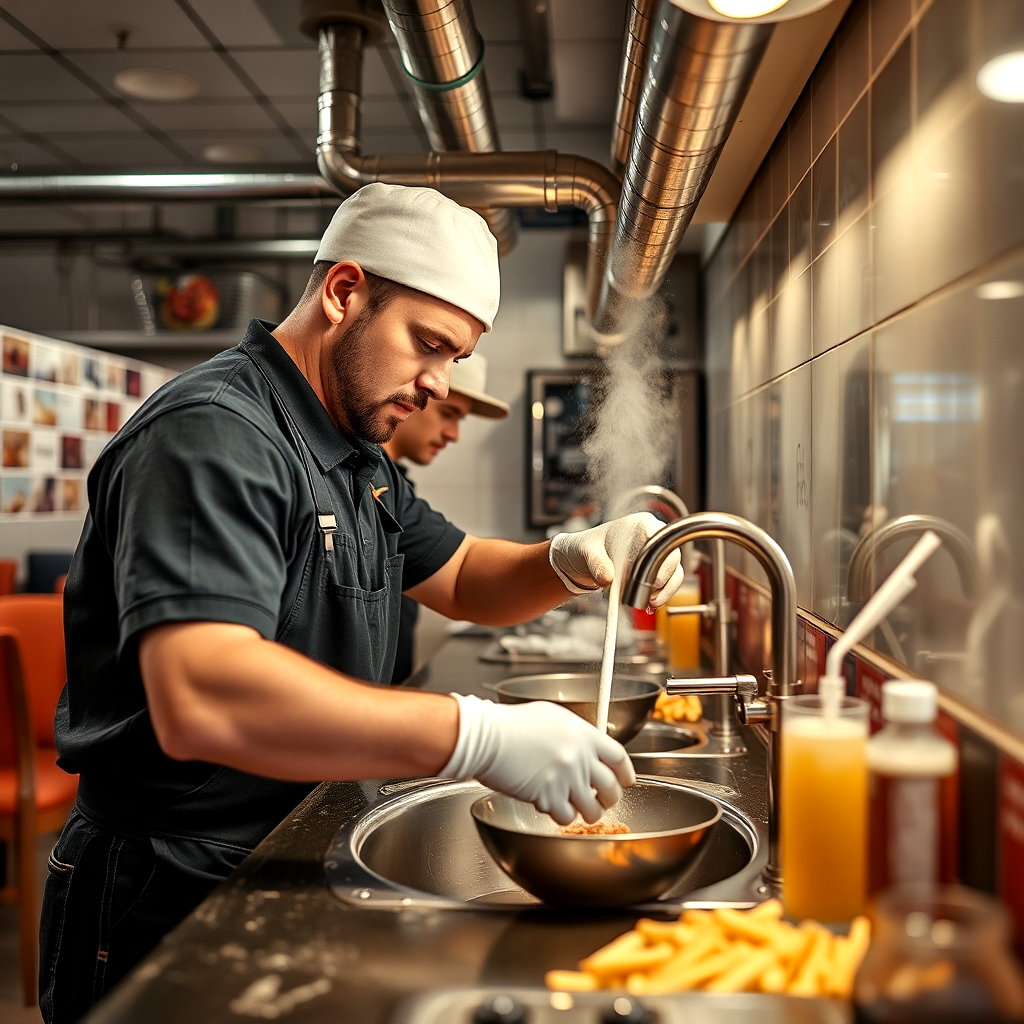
[723, 951]
[685, 708]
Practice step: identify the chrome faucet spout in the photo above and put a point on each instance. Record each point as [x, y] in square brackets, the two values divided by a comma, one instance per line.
[637, 588]
[782, 682]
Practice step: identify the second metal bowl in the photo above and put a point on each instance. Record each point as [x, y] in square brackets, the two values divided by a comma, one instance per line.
[667, 824]
[633, 698]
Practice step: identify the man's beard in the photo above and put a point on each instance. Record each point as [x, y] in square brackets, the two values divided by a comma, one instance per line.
[353, 379]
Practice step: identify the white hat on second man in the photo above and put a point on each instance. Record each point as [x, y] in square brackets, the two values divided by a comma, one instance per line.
[469, 378]
[419, 238]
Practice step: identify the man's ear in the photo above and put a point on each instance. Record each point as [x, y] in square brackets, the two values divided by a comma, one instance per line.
[342, 283]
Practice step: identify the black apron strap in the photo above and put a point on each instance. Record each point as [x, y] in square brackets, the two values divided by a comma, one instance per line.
[326, 519]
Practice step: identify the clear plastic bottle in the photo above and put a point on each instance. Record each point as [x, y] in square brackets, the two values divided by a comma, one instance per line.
[912, 791]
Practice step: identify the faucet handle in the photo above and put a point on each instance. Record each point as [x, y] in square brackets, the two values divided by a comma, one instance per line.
[743, 687]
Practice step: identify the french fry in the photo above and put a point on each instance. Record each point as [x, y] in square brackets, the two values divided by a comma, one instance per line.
[734, 922]
[743, 973]
[775, 978]
[570, 981]
[702, 970]
[807, 981]
[846, 958]
[629, 961]
[664, 931]
[708, 941]
[768, 909]
[630, 942]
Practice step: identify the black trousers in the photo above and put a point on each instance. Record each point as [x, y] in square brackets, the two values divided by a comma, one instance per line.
[107, 902]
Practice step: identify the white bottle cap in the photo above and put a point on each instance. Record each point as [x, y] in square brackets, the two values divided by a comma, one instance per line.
[910, 701]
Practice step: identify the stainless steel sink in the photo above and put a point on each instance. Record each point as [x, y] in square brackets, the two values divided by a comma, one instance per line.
[417, 846]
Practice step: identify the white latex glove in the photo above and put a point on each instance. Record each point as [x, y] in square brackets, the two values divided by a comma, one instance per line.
[541, 753]
[586, 561]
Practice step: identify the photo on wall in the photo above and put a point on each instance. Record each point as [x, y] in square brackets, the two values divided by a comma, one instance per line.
[15, 402]
[115, 377]
[45, 361]
[95, 414]
[45, 454]
[72, 494]
[44, 407]
[44, 494]
[91, 448]
[16, 447]
[69, 410]
[15, 356]
[93, 373]
[14, 494]
[68, 367]
[70, 452]
[133, 383]
[113, 417]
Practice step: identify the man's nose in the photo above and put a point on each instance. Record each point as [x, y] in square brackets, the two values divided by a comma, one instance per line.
[435, 382]
[451, 432]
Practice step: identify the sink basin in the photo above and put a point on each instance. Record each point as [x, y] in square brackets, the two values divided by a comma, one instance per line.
[418, 847]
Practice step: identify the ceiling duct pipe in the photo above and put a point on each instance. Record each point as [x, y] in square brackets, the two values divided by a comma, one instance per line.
[697, 76]
[634, 61]
[478, 180]
[443, 57]
[162, 188]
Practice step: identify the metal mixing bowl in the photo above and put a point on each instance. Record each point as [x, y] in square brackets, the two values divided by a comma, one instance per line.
[667, 823]
[633, 698]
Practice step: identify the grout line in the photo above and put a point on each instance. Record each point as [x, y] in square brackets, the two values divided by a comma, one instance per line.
[38, 140]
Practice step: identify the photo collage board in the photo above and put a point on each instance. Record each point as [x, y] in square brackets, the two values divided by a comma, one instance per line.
[60, 403]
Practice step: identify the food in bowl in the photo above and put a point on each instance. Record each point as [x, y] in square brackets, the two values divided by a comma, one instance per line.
[596, 828]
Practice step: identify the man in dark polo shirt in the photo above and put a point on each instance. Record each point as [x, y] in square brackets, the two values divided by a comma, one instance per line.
[235, 593]
[420, 439]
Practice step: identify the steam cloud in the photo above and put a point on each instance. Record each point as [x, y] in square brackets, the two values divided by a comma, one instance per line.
[631, 440]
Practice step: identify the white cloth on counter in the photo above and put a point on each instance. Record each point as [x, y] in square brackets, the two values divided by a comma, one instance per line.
[582, 640]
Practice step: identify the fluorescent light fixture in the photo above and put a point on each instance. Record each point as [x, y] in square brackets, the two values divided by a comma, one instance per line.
[160, 84]
[746, 8]
[232, 153]
[750, 10]
[1000, 290]
[1002, 78]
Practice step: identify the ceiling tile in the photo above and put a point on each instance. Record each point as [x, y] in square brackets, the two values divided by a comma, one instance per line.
[71, 117]
[140, 151]
[274, 150]
[497, 20]
[385, 114]
[593, 144]
[302, 116]
[237, 22]
[284, 16]
[376, 80]
[514, 113]
[587, 19]
[503, 62]
[283, 72]
[12, 39]
[586, 81]
[34, 76]
[71, 24]
[214, 77]
[14, 150]
[397, 144]
[195, 114]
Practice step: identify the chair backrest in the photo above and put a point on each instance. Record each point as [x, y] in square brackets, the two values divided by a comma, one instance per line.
[39, 622]
[8, 575]
[16, 719]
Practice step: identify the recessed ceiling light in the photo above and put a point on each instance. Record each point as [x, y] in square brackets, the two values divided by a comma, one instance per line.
[750, 10]
[1000, 290]
[160, 84]
[232, 153]
[746, 8]
[1002, 78]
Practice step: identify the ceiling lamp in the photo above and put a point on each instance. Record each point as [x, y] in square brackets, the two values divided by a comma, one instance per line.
[160, 84]
[232, 153]
[750, 10]
[1002, 78]
[1000, 290]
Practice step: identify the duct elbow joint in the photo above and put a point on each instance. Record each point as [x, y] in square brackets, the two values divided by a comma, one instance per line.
[341, 167]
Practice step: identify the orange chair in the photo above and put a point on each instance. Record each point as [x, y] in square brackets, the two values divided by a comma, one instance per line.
[8, 575]
[35, 795]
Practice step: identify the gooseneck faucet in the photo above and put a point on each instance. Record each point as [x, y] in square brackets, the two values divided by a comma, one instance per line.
[783, 682]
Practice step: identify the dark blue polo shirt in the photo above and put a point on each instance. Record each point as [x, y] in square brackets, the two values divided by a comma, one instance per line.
[201, 509]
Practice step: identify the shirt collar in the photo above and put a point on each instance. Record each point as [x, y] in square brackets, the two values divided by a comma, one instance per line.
[329, 445]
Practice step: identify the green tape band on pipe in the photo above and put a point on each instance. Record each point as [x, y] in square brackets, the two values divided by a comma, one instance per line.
[447, 86]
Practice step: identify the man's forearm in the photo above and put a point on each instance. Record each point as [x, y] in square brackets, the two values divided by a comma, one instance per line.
[221, 693]
[501, 583]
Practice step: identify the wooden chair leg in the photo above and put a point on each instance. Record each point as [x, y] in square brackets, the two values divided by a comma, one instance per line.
[28, 917]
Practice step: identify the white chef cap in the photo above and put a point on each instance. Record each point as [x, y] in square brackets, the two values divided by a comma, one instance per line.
[419, 238]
